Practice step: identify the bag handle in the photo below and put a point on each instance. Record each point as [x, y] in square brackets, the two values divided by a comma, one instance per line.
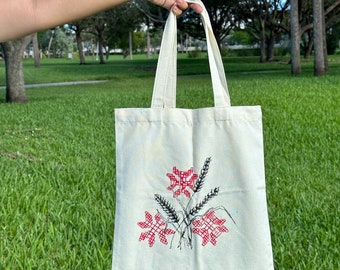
[164, 91]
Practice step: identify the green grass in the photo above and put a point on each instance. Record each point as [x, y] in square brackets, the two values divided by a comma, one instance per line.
[57, 158]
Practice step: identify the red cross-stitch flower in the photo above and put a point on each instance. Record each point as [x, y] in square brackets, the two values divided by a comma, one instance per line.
[209, 227]
[159, 227]
[186, 179]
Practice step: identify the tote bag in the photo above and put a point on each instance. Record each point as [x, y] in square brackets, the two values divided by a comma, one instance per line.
[190, 190]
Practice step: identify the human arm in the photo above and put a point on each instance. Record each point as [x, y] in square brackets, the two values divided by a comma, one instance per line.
[21, 17]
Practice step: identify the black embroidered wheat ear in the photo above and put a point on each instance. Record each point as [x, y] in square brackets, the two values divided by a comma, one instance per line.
[200, 181]
[213, 193]
[167, 208]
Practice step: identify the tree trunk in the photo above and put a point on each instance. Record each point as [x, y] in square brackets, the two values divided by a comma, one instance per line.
[295, 38]
[148, 43]
[130, 44]
[50, 44]
[324, 37]
[218, 40]
[319, 57]
[263, 43]
[36, 52]
[107, 53]
[310, 45]
[13, 54]
[80, 48]
[270, 48]
[100, 47]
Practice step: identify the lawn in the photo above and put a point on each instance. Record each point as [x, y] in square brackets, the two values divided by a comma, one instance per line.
[57, 157]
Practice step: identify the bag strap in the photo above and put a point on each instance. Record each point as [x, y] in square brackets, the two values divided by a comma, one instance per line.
[164, 91]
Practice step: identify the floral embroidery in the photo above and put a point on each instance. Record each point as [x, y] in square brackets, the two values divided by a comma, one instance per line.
[186, 221]
[182, 182]
[209, 227]
[154, 228]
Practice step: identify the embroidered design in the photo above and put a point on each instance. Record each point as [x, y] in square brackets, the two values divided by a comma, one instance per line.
[209, 227]
[159, 227]
[182, 181]
[187, 221]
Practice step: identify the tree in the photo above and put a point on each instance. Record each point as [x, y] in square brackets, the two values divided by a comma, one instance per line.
[240, 37]
[333, 38]
[295, 37]
[98, 23]
[124, 21]
[277, 24]
[78, 27]
[222, 19]
[36, 51]
[302, 18]
[55, 42]
[265, 21]
[111, 28]
[153, 17]
[13, 52]
[306, 26]
[318, 32]
[331, 15]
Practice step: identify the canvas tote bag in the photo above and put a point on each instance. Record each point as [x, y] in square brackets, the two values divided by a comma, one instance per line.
[190, 183]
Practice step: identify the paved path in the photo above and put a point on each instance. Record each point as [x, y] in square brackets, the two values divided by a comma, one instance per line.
[58, 84]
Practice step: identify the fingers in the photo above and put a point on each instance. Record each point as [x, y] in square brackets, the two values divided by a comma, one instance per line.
[177, 10]
[196, 7]
[177, 6]
[180, 5]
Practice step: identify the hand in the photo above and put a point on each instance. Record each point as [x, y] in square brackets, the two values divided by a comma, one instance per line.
[177, 6]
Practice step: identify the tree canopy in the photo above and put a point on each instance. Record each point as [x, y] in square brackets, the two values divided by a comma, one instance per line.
[129, 27]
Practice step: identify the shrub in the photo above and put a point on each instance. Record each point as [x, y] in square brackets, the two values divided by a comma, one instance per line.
[194, 54]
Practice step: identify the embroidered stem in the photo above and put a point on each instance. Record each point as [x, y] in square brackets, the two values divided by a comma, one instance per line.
[204, 171]
[213, 193]
[200, 181]
[167, 208]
